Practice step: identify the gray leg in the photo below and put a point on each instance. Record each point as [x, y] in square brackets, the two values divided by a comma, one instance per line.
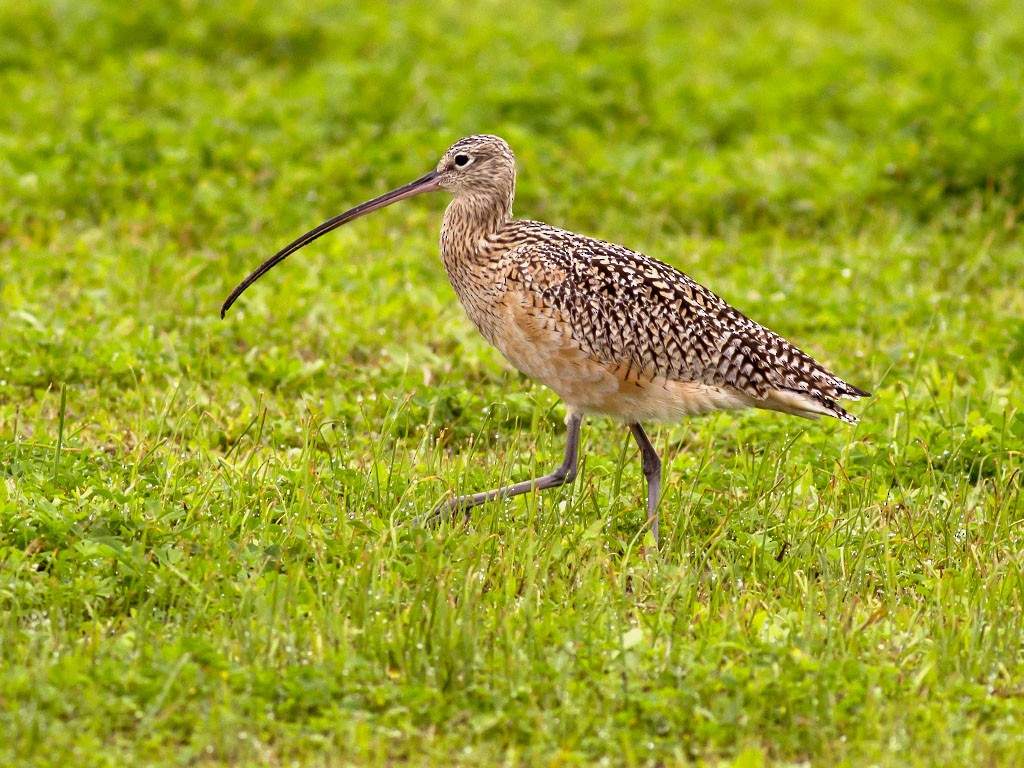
[565, 473]
[652, 472]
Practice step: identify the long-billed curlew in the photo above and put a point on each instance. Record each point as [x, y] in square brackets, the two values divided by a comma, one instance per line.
[612, 331]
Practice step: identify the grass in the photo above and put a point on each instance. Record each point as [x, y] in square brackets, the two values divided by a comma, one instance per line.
[202, 552]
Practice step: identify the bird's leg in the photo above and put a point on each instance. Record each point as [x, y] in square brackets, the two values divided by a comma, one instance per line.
[652, 472]
[565, 473]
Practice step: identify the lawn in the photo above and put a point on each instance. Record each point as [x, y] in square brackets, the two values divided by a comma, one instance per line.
[205, 550]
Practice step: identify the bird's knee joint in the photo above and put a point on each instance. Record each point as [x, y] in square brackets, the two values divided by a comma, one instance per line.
[566, 473]
[652, 464]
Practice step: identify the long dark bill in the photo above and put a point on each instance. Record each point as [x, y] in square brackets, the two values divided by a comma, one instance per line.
[427, 183]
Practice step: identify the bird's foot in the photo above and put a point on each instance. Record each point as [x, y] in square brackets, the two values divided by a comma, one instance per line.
[450, 506]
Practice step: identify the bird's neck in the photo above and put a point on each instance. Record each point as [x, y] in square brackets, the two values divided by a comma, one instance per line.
[471, 251]
[468, 222]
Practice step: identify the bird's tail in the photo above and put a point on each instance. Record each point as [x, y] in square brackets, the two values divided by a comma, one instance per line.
[811, 404]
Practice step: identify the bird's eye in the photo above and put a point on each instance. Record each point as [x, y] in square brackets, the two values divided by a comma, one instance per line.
[462, 160]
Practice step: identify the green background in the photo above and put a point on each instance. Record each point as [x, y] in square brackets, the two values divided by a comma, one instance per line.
[202, 552]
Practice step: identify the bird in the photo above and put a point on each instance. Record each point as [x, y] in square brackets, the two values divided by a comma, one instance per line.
[611, 331]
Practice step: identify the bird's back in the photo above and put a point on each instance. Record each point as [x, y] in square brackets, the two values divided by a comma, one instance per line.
[586, 307]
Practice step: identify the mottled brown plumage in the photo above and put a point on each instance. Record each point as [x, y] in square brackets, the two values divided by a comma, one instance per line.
[612, 331]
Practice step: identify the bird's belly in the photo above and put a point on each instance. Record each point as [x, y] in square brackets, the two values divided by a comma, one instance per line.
[547, 353]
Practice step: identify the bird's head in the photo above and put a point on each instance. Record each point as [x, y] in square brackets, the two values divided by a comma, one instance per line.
[478, 166]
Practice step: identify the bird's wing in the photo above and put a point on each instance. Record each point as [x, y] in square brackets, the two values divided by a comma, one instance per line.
[625, 308]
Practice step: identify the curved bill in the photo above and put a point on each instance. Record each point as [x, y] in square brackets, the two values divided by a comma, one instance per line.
[427, 183]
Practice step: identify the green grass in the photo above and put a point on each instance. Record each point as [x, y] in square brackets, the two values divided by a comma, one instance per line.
[202, 552]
